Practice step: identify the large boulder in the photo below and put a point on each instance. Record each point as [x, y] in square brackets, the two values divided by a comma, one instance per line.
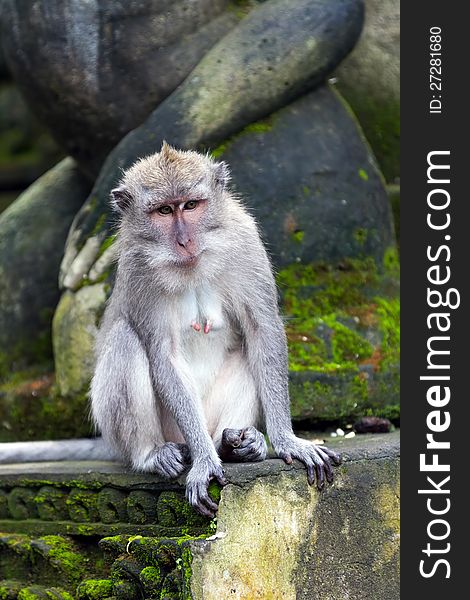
[278, 52]
[312, 183]
[92, 71]
[370, 80]
[26, 149]
[32, 236]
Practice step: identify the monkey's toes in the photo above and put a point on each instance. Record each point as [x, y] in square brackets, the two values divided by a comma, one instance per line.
[232, 438]
[243, 445]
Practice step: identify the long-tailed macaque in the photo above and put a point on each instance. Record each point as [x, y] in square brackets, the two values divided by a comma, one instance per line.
[191, 357]
[192, 353]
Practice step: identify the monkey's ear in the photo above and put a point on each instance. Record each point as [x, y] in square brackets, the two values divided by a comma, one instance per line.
[120, 198]
[221, 173]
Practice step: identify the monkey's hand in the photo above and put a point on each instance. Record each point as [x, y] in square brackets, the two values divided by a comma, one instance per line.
[203, 470]
[243, 445]
[317, 459]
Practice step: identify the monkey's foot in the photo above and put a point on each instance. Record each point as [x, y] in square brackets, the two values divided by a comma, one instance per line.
[317, 459]
[243, 445]
[169, 460]
[197, 482]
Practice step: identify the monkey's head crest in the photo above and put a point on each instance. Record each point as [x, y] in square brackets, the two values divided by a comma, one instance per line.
[167, 153]
[166, 173]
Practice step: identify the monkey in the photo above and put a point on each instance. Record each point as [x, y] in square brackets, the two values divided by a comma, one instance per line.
[191, 355]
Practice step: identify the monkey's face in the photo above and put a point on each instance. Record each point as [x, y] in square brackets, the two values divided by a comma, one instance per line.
[180, 223]
[173, 202]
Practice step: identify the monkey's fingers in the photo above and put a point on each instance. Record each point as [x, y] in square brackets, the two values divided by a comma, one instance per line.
[320, 475]
[286, 457]
[199, 498]
[336, 458]
[196, 326]
[207, 326]
[326, 463]
[310, 474]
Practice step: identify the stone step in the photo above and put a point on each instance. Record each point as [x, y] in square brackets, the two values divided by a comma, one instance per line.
[13, 590]
[274, 536]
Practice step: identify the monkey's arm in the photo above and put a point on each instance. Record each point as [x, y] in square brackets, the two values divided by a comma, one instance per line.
[266, 349]
[184, 408]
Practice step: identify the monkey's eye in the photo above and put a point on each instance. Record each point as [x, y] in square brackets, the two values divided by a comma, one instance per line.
[191, 205]
[165, 210]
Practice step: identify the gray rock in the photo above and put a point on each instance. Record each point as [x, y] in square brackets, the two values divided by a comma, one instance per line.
[32, 236]
[74, 329]
[370, 80]
[280, 50]
[312, 183]
[92, 71]
[26, 149]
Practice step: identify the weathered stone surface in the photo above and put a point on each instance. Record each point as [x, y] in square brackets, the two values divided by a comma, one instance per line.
[26, 150]
[280, 50]
[275, 537]
[370, 80]
[343, 331]
[92, 71]
[278, 538]
[74, 330]
[32, 235]
[312, 182]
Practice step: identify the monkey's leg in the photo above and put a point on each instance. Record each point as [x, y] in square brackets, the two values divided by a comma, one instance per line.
[125, 410]
[232, 411]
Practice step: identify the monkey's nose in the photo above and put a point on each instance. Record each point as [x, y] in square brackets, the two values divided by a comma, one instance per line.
[183, 241]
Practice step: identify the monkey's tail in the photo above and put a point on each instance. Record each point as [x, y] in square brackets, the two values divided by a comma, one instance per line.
[78, 449]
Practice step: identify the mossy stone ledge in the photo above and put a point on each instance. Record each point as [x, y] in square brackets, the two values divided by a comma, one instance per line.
[93, 531]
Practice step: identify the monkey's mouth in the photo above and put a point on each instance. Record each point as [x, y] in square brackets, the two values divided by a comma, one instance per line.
[187, 261]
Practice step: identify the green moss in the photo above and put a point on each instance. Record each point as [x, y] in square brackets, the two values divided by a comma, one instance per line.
[151, 579]
[99, 225]
[347, 345]
[107, 243]
[391, 261]
[64, 556]
[332, 315]
[393, 192]
[262, 126]
[363, 175]
[95, 589]
[389, 325]
[151, 575]
[331, 400]
[219, 150]
[360, 235]
[241, 7]
[187, 559]
[214, 491]
[38, 593]
[298, 236]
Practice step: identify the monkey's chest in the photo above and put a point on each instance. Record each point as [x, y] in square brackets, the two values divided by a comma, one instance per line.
[204, 336]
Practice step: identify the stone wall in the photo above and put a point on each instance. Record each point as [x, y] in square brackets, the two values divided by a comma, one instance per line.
[92, 531]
